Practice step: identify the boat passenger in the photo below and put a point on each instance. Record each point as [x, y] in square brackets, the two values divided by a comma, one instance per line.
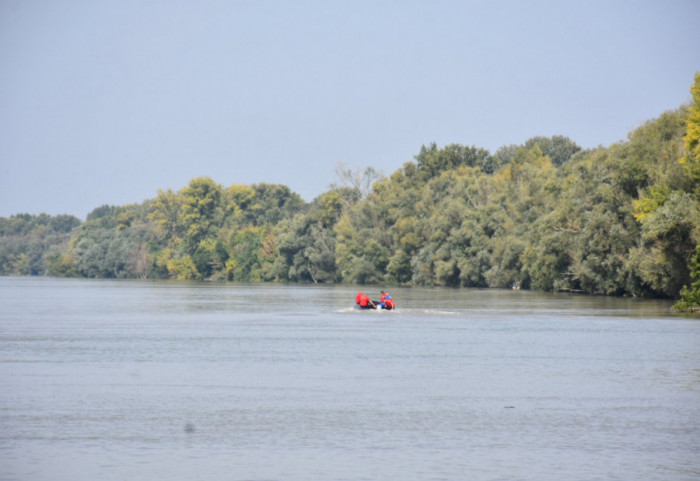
[389, 303]
[357, 297]
[366, 302]
[382, 298]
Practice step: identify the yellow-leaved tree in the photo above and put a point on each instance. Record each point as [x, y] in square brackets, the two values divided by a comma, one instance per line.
[691, 160]
[690, 295]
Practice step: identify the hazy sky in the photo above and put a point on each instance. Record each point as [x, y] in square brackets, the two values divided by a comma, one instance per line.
[107, 101]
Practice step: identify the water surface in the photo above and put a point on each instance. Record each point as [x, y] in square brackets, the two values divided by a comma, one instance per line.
[140, 380]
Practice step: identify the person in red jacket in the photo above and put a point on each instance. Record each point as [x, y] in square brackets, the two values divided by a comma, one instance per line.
[357, 297]
[389, 303]
[366, 302]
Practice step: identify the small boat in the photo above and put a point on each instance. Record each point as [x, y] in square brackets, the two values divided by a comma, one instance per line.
[377, 305]
[387, 303]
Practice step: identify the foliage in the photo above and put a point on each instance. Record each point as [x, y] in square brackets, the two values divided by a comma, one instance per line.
[432, 161]
[614, 221]
[691, 159]
[30, 243]
[690, 297]
[113, 243]
[559, 149]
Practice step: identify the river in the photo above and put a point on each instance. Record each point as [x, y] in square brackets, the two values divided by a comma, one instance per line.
[147, 380]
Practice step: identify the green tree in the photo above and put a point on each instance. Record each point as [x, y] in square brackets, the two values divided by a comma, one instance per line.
[201, 211]
[558, 148]
[166, 213]
[432, 161]
[690, 297]
[245, 248]
[29, 242]
[668, 237]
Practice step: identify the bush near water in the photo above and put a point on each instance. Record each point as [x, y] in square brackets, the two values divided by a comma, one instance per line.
[617, 220]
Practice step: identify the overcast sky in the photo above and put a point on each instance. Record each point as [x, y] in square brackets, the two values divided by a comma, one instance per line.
[107, 101]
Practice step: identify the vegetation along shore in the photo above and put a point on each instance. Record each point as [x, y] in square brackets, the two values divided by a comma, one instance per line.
[617, 220]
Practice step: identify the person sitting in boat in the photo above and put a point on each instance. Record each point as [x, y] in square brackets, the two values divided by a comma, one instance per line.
[366, 302]
[389, 303]
[357, 297]
[382, 298]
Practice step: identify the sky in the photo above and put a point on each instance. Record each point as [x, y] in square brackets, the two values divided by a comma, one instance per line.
[106, 102]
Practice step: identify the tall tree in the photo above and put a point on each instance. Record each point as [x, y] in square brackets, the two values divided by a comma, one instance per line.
[690, 296]
[358, 179]
[691, 160]
[166, 213]
[558, 148]
[201, 203]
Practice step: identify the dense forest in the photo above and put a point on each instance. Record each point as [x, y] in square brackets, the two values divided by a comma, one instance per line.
[617, 220]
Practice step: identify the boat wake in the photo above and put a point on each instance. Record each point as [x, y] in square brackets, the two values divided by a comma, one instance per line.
[402, 311]
[436, 312]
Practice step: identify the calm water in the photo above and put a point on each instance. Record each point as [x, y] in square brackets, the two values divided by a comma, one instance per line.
[110, 380]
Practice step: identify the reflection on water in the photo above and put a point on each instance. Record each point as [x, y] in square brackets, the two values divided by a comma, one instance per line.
[152, 380]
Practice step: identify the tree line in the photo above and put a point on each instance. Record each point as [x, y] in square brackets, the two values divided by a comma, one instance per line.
[617, 220]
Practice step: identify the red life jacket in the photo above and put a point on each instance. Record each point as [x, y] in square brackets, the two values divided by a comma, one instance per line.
[364, 300]
[358, 297]
[383, 298]
[390, 303]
